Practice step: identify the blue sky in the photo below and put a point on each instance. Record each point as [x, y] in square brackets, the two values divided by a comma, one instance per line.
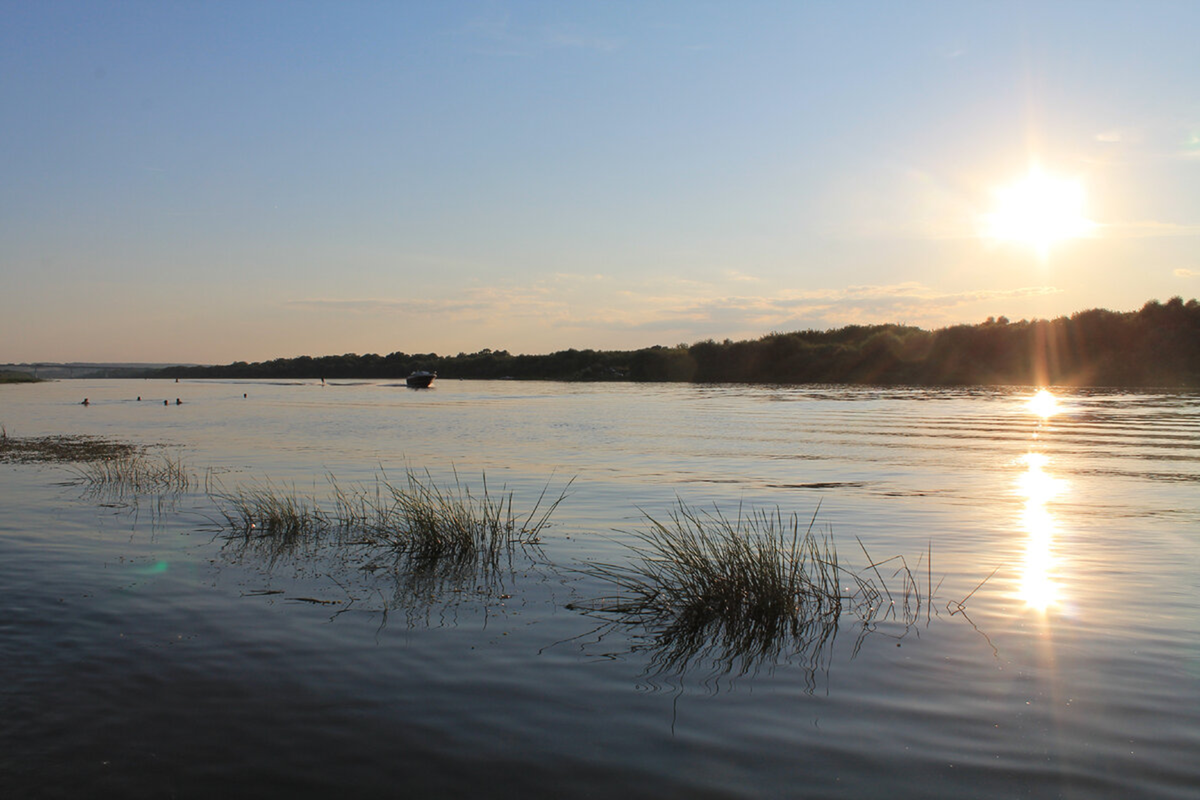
[209, 182]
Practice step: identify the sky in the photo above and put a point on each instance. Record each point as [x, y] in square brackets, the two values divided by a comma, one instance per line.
[205, 182]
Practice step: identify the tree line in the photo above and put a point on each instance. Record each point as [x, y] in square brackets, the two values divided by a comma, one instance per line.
[1158, 345]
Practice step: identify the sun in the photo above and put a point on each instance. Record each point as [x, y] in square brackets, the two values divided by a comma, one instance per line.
[1039, 210]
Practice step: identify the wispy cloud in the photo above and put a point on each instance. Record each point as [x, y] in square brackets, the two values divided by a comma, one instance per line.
[1187, 273]
[499, 35]
[1191, 144]
[573, 36]
[746, 315]
[680, 312]
[384, 306]
[1151, 140]
[1119, 136]
[477, 303]
[1149, 229]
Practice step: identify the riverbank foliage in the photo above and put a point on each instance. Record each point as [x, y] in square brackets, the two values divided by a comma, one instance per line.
[1158, 345]
[12, 376]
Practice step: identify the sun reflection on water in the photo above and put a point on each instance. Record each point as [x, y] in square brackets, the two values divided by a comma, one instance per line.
[1038, 588]
[1039, 487]
[1044, 404]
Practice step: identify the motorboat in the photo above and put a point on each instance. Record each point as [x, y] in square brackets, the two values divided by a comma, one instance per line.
[420, 379]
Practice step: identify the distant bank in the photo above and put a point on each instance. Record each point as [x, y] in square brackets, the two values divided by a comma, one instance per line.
[81, 369]
[1158, 345]
[10, 376]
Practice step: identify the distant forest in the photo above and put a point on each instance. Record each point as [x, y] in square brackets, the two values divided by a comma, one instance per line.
[1158, 345]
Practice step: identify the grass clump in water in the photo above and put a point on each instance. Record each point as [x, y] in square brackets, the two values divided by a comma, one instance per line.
[425, 521]
[417, 519]
[268, 511]
[434, 546]
[736, 592]
[136, 472]
[753, 570]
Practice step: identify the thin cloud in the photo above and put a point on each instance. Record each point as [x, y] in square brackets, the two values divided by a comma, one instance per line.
[377, 306]
[1187, 273]
[748, 316]
[572, 36]
[498, 35]
[567, 302]
[1148, 229]
[1119, 137]
[478, 303]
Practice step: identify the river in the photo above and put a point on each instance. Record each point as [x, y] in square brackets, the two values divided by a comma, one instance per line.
[1040, 637]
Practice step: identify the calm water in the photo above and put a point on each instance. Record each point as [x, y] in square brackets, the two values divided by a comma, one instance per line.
[143, 654]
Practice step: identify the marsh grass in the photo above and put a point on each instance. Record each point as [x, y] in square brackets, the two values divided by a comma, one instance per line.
[418, 545]
[78, 449]
[266, 511]
[136, 472]
[417, 521]
[738, 593]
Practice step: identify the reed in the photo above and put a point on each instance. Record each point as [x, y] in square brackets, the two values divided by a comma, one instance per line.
[738, 592]
[428, 521]
[755, 567]
[417, 519]
[136, 472]
[265, 510]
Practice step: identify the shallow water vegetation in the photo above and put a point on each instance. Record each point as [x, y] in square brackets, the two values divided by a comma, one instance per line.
[743, 592]
[268, 511]
[417, 519]
[136, 472]
[417, 545]
[78, 448]
[425, 521]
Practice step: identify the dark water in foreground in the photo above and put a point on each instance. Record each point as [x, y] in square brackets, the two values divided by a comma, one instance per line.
[144, 655]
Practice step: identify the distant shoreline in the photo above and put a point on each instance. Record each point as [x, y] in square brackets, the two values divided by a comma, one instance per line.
[1156, 346]
[18, 377]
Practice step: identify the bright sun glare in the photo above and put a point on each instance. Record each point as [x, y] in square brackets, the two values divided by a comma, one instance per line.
[1044, 404]
[1039, 210]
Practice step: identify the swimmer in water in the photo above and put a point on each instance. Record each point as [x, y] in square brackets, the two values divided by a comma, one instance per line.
[86, 402]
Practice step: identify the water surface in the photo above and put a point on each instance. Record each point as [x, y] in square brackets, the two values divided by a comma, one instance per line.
[143, 653]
